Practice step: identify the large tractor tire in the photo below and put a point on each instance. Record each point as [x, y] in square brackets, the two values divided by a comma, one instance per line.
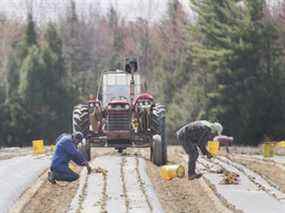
[85, 148]
[80, 119]
[159, 145]
[157, 151]
[80, 123]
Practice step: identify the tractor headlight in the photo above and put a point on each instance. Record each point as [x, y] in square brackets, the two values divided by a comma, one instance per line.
[127, 107]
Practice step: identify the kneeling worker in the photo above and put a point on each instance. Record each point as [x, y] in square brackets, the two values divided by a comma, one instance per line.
[65, 151]
[194, 135]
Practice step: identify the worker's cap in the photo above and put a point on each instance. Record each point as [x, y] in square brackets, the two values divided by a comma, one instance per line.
[216, 128]
[78, 136]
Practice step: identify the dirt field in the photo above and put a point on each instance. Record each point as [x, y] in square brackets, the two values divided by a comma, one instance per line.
[52, 198]
[56, 198]
[182, 195]
[178, 195]
[267, 169]
[175, 196]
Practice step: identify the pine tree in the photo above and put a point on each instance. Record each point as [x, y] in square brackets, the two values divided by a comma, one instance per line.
[30, 36]
[29, 39]
[33, 94]
[29, 53]
[32, 77]
[56, 89]
[12, 75]
[17, 56]
[54, 45]
[3, 115]
[237, 49]
[20, 125]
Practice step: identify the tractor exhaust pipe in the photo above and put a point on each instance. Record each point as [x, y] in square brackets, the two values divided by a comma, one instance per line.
[131, 67]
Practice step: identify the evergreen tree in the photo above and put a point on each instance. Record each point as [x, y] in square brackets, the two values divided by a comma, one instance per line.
[56, 90]
[29, 39]
[32, 90]
[30, 36]
[12, 75]
[20, 126]
[54, 46]
[234, 49]
[17, 56]
[32, 77]
[3, 115]
[29, 64]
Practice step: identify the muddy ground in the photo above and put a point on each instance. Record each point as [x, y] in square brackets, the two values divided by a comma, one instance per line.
[182, 195]
[56, 198]
[177, 195]
[52, 198]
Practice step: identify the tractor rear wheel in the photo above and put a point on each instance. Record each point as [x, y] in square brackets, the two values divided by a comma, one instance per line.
[80, 123]
[159, 145]
[80, 119]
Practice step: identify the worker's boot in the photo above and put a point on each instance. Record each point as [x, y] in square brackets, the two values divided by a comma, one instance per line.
[51, 177]
[194, 176]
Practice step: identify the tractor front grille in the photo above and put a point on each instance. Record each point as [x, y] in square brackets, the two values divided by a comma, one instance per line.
[118, 120]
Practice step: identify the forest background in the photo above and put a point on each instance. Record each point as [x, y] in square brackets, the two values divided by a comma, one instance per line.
[224, 62]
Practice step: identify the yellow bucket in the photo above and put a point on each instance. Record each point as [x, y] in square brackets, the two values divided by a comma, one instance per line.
[213, 147]
[169, 172]
[38, 147]
[268, 150]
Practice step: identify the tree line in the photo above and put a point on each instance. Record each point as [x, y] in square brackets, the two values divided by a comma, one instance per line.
[225, 63]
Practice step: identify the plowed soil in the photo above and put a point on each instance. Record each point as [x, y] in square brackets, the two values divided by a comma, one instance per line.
[182, 195]
[270, 170]
[175, 196]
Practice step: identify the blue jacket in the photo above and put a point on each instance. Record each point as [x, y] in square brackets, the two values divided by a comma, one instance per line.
[65, 151]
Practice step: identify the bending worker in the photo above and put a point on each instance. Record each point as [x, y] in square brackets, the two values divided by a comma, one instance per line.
[65, 151]
[194, 135]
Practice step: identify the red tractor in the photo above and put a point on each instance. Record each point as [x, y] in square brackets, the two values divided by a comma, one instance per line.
[123, 117]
